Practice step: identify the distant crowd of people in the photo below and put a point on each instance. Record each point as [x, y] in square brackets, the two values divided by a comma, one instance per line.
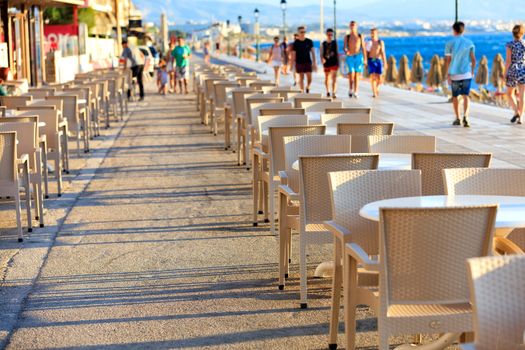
[300, 58]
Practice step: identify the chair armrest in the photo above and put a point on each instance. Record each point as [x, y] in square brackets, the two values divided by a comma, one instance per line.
[288, 192]
[259, 152]
[284, 177]
[361, 257]
[43, 138]
[342, 233]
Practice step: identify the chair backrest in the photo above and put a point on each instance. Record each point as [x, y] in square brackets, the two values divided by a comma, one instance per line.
[284, 92]
[497, 291]
[69, 110]
[432, 165]
[293, 95]
[221, 92]
[254, 104]
[239, 99]
[331, 120]
[350, 110]
[432, 244]
[8, 157]
[13, 102]
[351, 190]
[279, 111]
[46, 104]
[360, 131]
[246, 81]
[298, 101]
[209, 90]
[276, 137]
[50, 116]
[295, 146]
[401, 144]
[320, 106]
[261, 84]
[265, 122]
[484, 181]
[25, 117]
[26, 133]
[314, 186]
[41, 93]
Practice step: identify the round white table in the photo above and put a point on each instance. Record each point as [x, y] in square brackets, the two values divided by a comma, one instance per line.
[511, 210]
[387, 161]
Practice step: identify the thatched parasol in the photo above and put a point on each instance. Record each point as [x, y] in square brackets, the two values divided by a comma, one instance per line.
[498, 70]
[403, 76]
[417, 72]
[435, 74]
[482, 76]
[391, 72]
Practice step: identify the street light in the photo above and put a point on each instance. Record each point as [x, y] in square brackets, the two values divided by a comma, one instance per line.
[335, 20]
[256, 14]
[228, 32]
[457, 11]
[283, 7]
[240, 36]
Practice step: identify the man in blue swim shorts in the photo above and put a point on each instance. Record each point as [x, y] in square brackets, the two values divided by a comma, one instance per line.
[355, 58]
[376, 60]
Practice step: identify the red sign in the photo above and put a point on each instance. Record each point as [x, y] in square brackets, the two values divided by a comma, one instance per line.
[55, 33]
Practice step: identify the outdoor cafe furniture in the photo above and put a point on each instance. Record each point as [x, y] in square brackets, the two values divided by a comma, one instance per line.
[350, 190]
[27, 136]
[13, 102]
[264, 181]
[422, 270]
[401, 144]
[10, 183]
[432, 165]
[360, 131]
[491, 181]
[50, 116]
[314, 204]
[221, 109]
[497, 291]
[331, 120]
[297, 100]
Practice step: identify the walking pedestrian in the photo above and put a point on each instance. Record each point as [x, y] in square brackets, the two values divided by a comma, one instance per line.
[460, 62]
[330, 60]
[206, 52]
[275, 58]
[356, 58]
[136, 61]
[515, 68]
[376, 54]
[291, 65]
[284, 46]
[303, 58]
[170, 67]
[182, 54]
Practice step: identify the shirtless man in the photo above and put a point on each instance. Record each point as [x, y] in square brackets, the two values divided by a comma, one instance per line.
[376, 60]
[355, 58]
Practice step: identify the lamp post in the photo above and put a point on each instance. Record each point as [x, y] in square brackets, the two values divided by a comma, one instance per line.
[283, 8]
[335, 20]
[240, 36]
[256, 29]
[457, 11]
[228, 38]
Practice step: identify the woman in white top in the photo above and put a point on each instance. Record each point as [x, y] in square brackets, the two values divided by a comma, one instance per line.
[276, 58]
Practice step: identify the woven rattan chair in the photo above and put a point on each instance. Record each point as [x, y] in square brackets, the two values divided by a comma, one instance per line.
[84, 114]
[401, 144]
[284, 92]
[41, 93]
[314, 199]
[222, 107]
[265, 185]
[27, 135]
[360, 131]
[53, 135]
[209, 97]
[432, 165]
[298, 101]
[333, 119]
[295, 146]
[493, 181]
[10, 183]
[70, 112]
[350, 191]
[350, 110]
[282, 111]
[497, 290]
[320, 106]
[259, 85]
[424, 289]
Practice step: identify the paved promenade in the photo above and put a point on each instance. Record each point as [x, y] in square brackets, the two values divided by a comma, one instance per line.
[152, 244]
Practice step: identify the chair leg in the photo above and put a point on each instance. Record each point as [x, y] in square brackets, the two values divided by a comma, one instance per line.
[78, 140]
[271, 201]
[255, 176]
[283, 241]
[40, 204]
[58, 175]
[19, 216]
[336, 295]
[303, 271]
[263, 203]
[246, 145]
[350, 301]
[27, 186]
[238, 143]
[45, 172]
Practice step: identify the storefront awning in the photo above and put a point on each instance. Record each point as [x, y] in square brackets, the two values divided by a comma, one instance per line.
[44, 2]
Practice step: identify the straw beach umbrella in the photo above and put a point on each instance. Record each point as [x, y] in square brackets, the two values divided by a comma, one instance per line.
[482, 76]
[391, 72]
[435, 74]
[417, 72]
[403, 76]
[498, 69]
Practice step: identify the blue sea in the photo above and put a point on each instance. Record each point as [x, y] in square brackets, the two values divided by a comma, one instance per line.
[486, 45]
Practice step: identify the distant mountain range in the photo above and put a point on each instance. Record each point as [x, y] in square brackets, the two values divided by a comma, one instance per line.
[180, 12]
